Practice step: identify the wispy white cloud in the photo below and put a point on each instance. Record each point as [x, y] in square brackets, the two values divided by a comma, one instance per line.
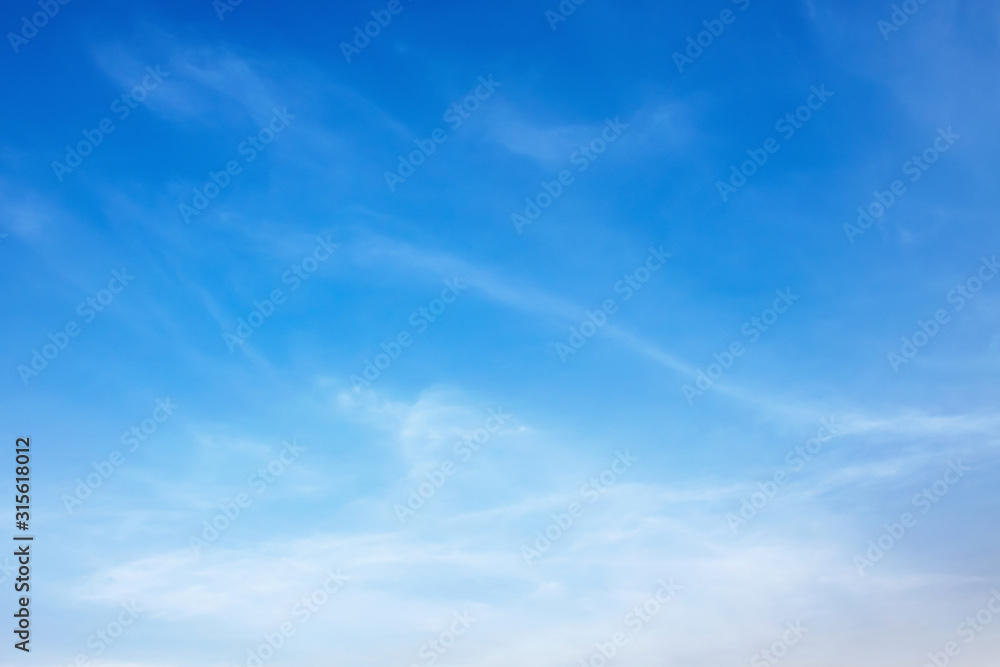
[402, 580]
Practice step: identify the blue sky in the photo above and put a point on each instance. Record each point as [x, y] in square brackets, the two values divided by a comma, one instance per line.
[526, 368]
